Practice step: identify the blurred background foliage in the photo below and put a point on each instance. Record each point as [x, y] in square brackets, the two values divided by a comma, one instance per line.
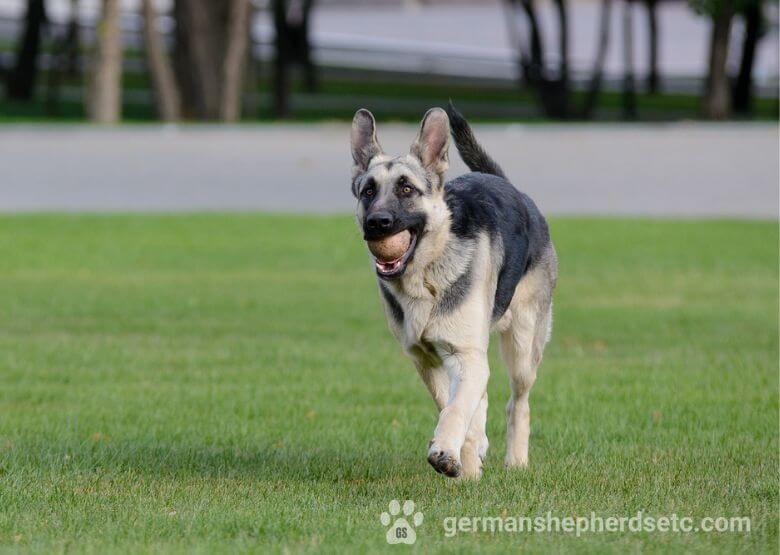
[238, 60]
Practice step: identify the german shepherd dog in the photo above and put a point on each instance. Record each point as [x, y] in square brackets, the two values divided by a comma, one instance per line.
[455, 261]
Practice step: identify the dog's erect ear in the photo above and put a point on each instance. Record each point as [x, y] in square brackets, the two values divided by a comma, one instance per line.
[363, 139]
[433, 141]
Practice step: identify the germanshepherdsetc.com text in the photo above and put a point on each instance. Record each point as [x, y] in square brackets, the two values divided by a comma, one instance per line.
[593, 523]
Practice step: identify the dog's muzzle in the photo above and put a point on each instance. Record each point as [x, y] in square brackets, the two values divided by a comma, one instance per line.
[392, 241]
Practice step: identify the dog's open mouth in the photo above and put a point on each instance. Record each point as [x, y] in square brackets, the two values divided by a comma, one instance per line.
[392, 254]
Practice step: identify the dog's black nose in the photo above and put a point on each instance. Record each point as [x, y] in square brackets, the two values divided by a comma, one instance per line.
[379, 221]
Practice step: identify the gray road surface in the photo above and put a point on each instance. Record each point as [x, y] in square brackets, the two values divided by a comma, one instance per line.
[667, 170]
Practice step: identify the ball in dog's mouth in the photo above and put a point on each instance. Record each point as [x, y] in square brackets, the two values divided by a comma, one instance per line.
[391, 252]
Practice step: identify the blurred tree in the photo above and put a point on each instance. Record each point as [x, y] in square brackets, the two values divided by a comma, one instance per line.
[104, 93]
[554, 89]
[716, 102]
[72, 40]
[719, 97]
[293, 46]
[752, 12]
[597, 74]
[629, 82]
[551, 89]
[21, 78]
[235, 60]
[210, 56]
[653, 79]
[64, 60]
[166, 91]
[563, 41]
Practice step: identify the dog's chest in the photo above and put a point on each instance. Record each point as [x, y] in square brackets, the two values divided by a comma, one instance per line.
[420, 323]
[417, 319]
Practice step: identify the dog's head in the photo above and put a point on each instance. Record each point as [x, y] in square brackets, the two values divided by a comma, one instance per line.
[400, 200]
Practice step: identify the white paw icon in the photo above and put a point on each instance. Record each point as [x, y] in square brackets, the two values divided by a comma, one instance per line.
[401, 531]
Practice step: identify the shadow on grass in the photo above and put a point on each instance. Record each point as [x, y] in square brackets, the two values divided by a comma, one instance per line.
[266, 462]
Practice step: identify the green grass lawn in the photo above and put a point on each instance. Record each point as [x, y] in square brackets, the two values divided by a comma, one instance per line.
[224, 383]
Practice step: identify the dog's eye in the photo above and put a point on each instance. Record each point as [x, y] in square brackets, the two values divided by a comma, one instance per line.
[404, 186]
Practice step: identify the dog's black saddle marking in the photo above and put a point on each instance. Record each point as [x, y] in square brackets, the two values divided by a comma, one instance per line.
[481, 202]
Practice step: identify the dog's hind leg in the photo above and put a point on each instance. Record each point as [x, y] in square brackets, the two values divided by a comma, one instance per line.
[522, 345]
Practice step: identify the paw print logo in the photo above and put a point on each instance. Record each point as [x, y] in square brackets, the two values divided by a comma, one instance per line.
[401, 531]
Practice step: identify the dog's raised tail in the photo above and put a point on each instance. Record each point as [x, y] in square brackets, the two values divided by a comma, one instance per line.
[470, 150]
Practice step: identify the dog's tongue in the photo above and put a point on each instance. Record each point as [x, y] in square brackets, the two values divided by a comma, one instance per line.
[390, 248]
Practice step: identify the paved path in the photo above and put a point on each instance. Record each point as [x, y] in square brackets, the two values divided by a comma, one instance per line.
[666, 170]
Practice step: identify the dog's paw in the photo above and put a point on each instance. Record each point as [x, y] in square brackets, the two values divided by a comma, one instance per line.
[445, 462]
[482, 448]
[515, 462]
[471, 465]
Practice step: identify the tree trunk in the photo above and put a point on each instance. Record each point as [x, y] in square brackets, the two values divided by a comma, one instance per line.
[563, 41]
[555, 90]
[104, 102]
[166, 91]
[63, 62]
[21, 79]
[282, 58]
[72, 41]
[551, 90]
[594, 88]
[253, 75]
[235, 60]
[292, 45]
[516, 41]
[57, 66]
[743, 89]
[309, 69]
[201, 39]
[717, 97]
[629, 82]
[653, 80]
[536, 68]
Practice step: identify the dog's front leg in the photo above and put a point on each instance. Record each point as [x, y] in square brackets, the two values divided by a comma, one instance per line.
[468, 372]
